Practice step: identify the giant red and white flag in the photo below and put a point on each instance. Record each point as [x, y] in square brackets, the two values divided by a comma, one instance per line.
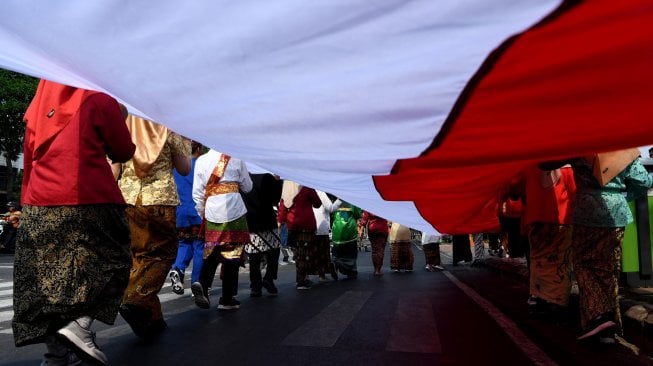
[418, 111]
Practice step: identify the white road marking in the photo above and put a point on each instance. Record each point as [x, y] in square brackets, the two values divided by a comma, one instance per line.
[324, 329]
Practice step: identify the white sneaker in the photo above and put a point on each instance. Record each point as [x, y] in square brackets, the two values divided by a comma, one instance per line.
[82, 342]
[176, 281]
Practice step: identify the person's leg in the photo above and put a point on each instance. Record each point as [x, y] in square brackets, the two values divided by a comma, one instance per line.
[154, 249]
[176, 274]
[378, 242]
[272, 257]
[597, 261]
[198, 259]
[255, 279]
[200, 289]
[479, 246]
[184, 255]
[229, 286]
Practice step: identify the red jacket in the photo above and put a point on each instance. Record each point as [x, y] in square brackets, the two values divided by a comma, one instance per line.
[72, 168]
[300, 215]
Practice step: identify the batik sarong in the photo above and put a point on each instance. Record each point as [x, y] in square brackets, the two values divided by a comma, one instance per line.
[70, 261]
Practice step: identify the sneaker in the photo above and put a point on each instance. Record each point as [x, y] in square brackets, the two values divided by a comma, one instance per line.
[201, 300]
[306, 285]
[270, 287]
[68, 359]
[231, 304]
[82, 342]
[395, 271]
[176, 278]
[602, 323]
[429, 268]
[438, 267]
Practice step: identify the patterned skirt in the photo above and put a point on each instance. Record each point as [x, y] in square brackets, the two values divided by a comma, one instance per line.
[228, 237]
[401, 255]
[262, 241]
[70, 261]
[320, 253]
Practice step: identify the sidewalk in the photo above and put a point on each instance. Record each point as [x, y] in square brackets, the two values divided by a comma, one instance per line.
[636, 303]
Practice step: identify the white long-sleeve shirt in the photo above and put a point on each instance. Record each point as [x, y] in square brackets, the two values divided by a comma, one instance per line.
[323, 213]
[222, 207]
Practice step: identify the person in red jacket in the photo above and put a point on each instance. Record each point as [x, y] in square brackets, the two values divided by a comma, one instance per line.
[377, 232]
[296, 211]
[72, 258]
[547, 214]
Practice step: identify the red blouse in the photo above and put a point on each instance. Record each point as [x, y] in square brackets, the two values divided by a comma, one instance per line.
[375, 224]
[550, 205]
[72, 168]
[300, 215]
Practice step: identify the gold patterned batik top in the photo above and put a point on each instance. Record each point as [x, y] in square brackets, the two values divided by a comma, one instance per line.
[158, 187]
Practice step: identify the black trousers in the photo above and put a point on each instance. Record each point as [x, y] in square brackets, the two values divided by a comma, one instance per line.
[271, 267]
[461, 249]
[229, 274]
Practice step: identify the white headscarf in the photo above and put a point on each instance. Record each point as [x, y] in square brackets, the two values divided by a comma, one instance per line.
[289, 191]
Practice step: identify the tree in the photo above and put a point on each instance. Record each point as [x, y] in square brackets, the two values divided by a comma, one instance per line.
[16, 92]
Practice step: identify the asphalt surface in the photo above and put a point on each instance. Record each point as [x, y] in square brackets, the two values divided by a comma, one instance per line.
[461, 316]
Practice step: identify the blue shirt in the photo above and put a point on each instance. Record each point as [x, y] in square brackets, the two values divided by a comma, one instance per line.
[186, 213]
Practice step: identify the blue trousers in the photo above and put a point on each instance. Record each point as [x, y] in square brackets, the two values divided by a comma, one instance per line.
[190, 249]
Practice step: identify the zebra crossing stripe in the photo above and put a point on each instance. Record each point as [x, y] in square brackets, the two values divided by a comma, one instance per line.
[324, 329]
[405, 336]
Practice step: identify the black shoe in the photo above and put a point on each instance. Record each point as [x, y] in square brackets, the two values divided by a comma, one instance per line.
[201, 299]
[602, 323]
[228, 304]
[270, 287]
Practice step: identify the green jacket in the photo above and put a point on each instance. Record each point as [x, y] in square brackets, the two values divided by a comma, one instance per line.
[344, 224]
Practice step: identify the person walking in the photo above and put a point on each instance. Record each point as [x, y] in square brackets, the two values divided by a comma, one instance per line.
[149, 188]
[462, 252]
[599, 215]
[549, 197]
[377, 232]
[296, 211]
[322, 248]
[264, 245]
[191, 243]
[401, 248]
[431, 247]
[218, 181]
[344, 234]
[72, 260]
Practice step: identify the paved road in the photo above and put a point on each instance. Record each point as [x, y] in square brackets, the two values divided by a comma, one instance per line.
[461, 316]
